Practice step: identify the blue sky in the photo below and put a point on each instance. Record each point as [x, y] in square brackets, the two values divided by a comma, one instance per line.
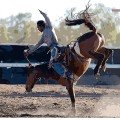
[54, 8]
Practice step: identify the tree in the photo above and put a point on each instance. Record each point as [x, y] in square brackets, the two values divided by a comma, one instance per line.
[105, 21]
[31, 32]
[21, 29]
[4, 34]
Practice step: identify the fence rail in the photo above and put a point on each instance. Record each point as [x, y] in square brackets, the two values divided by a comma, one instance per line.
[92, 65]
[13, 65]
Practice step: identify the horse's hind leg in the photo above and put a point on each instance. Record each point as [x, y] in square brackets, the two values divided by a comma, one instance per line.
[100, 58]
[107, 52]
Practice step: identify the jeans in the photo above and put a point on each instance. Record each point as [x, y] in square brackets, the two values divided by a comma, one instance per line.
[58, 67]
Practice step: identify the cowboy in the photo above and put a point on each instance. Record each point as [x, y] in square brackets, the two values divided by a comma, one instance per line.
[49, 37]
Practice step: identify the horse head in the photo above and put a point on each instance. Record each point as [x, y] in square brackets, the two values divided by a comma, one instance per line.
[35, 73]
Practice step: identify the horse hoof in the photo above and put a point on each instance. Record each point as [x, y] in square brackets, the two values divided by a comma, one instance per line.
[28, 90]
[73, 110]
[97, 75]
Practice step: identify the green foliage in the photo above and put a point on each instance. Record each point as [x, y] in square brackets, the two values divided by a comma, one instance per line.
[21, 29]
[106, 22]
[4, 34]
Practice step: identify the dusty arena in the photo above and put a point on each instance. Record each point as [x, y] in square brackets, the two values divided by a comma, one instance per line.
[53, 101]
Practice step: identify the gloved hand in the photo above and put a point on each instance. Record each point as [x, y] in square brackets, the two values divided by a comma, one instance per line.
[50, 64]
[26, 53]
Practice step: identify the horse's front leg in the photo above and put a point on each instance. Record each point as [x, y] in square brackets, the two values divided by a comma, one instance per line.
[71, 92]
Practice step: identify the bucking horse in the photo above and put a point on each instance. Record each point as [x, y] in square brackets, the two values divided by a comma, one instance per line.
[77, 56]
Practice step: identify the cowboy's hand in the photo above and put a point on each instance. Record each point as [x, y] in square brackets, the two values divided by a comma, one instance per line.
[25, 53]
[41, 12]
[50, 65]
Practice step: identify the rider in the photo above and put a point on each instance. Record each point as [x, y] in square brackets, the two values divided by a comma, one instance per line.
[49, 37]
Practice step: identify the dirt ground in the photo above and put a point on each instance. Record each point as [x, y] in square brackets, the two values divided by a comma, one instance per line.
[53, 101]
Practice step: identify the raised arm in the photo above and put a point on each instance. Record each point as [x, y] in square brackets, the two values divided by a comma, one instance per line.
[48, 22]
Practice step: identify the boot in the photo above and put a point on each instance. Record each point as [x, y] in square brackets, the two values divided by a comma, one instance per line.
[69, 75]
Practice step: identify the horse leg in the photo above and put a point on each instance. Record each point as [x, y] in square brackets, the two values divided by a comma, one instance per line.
[107, 52]
[100, 58]
[71, 92]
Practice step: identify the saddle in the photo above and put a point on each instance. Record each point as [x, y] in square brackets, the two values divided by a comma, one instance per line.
[64, 55]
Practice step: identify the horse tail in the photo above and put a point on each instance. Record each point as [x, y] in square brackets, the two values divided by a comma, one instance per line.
[80, 21]
[74, 22]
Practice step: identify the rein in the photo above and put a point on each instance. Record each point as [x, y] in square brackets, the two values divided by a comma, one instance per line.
[41, 63]
[28, 61]
[30, 65]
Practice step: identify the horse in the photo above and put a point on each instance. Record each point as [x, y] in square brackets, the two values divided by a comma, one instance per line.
[87, 47]
[78, 65]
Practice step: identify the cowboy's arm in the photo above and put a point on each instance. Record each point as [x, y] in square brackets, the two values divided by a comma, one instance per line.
[31, 50]
[48, 22]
